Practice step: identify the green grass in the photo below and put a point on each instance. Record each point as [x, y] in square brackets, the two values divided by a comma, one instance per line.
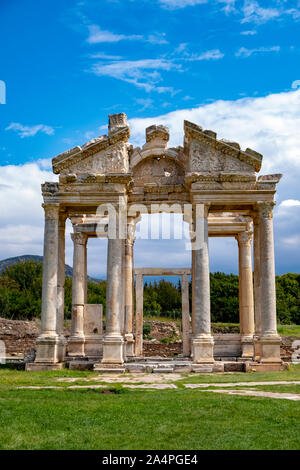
[131, 419]
[289, 330]
[184, 419]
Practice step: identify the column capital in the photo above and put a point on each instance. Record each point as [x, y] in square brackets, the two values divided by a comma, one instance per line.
[79, 238]
[244, 238]
[51, 211]
[265, 209]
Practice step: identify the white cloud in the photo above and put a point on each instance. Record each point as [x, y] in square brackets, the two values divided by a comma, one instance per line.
[244, 52]
[98, 35]
[145, 103]
[254, 13]
[141, 73]
[29, 131]
[249, 33]
[213, 54]
[175, 4]
[290, 203]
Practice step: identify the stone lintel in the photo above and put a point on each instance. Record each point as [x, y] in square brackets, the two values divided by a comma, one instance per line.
[162, 271]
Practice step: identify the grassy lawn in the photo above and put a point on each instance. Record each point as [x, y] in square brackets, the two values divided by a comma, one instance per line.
[289, 330]
[135, 419]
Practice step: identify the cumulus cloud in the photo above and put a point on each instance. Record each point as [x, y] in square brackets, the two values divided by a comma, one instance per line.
[290, 203]
[29, 131]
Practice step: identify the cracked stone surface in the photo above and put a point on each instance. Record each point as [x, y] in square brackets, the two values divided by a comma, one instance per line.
[117, 378]
[151, 386]
[257, 393]
[243, 384]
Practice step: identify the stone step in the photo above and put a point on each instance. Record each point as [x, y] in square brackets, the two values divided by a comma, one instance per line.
[112, 370]
[163, 370]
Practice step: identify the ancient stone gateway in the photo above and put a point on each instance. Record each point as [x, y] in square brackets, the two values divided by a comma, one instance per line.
[104, 187]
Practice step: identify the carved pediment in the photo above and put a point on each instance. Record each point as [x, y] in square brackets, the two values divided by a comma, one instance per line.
[206, 159]
[105, 154]
[209, 155]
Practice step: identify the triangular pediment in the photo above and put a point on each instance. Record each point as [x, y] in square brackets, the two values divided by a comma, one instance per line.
[207, 154]
[104, 154]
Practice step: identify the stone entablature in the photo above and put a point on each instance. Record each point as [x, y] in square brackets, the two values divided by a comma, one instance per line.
[214, 176]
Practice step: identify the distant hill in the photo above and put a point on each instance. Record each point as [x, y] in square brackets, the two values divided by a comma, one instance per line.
[21, 259]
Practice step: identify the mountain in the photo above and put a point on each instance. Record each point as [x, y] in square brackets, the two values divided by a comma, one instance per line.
[21, 259]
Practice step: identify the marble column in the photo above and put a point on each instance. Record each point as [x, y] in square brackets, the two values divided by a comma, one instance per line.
[76, 341]
[48, 342]
[257, 288]
[139, 288]
[246, 303]
[186, 347]
[269, 340]
[113, 341]
[61, 276]
[202, 343]
[129, 339]
[85, 275]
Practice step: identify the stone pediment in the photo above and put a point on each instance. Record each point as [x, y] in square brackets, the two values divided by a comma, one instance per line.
[102, 155]
[208, 155]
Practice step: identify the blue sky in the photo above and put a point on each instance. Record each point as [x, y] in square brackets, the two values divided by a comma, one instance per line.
[230, 65]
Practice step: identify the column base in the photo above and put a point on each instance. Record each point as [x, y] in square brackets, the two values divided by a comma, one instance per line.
[50, 349]
[76, 346]
[93, 345]
[247, 347]
[203, 349]
[270, 349]
[256, 347]
[113, 350]
[129, 345]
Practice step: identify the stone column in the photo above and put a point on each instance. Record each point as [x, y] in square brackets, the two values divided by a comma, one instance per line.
[76, 341]
[61, 276]
[139, 288]
[269, 340]
[203, 344]
[129, 242]
[48, 340]
[186, 348]
[257, 277]
[246, 293]
[85, 274]
[113, 341]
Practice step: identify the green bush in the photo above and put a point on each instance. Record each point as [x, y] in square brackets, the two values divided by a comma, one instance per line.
[21, 292]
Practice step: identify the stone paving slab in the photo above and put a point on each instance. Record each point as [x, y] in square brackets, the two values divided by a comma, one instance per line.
[243, 384]
[117, 378]
[152, 386]
[258, 393]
